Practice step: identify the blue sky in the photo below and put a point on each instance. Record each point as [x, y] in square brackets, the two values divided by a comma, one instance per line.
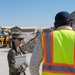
[32, 13]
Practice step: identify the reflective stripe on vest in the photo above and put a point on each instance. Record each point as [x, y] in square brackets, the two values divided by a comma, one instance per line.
[54, 59]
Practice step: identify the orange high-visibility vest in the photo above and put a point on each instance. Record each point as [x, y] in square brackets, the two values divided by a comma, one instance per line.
[59, 52]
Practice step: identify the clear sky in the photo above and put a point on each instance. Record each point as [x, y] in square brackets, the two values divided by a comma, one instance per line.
[32, 13]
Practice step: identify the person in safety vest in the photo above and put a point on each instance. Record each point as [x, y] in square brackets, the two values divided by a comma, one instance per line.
[56, 49]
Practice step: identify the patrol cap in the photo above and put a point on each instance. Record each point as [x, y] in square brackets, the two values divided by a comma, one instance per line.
[17, 35]
[63, 17]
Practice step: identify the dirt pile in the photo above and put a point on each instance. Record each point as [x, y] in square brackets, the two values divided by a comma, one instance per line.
[73, 15]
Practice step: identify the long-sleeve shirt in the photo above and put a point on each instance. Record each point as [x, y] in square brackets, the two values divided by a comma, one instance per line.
[13, 68]
[37, 56]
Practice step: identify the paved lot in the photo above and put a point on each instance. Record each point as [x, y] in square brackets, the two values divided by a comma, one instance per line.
[4, 70]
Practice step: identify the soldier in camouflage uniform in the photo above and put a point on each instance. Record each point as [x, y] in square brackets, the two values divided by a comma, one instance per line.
[15, 51]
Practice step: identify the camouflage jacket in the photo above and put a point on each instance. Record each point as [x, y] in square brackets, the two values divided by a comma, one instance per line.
[13, 68]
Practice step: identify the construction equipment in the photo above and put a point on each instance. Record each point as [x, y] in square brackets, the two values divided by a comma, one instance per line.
[4, 38]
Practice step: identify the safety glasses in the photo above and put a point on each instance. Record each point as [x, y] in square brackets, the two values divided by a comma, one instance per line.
[18, 39]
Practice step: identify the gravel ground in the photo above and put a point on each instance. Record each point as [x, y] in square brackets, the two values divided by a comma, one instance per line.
[4, 70]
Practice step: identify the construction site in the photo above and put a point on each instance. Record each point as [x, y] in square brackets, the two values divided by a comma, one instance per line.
[31, 36]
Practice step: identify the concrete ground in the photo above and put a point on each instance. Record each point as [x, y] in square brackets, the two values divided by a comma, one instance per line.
[4, 69]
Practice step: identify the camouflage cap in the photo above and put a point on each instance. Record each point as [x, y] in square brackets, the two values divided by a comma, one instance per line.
[17, 35]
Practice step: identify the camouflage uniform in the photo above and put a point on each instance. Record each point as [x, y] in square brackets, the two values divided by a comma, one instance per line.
[14, 69]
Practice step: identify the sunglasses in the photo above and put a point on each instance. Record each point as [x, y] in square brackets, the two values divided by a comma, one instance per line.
[18, 39]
